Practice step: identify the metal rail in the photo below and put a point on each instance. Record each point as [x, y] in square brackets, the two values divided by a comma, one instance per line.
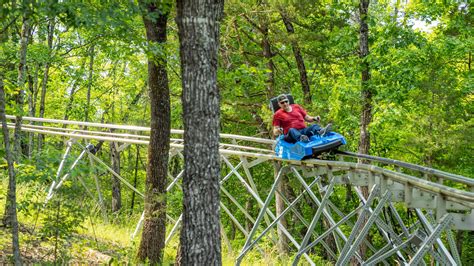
[453, 194]
[421, 169]
[389, 181]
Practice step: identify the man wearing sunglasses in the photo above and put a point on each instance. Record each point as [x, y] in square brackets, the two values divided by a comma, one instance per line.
[290, 120]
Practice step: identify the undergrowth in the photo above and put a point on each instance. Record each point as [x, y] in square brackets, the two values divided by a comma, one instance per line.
[67, 230]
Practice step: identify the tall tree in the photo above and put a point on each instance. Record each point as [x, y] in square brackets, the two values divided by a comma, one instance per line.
[11, 197]
[44, 82]
[155, 17]
[116, 188]
[10, 217]
[25, 31]
[298, 57]
[32, 95]
[262, 25]
[198, 24]
[89, 82]
[366, 90]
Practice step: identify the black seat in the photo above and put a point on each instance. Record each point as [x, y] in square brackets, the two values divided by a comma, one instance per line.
[274, 102]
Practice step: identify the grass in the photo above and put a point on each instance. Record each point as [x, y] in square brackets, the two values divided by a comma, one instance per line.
[95, 241]
[92, 243]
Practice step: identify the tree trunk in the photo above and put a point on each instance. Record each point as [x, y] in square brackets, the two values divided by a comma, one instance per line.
[70, 102]
[45, 80]
[89, 84]
[270, 83]
[178, 260]
[366, 116]
[199, 41]
[10, 216]
[298, 57]
[262, 27]
[280, 207]
[135, 176]
[330, 239]
[116, 191]
[11, 199]
[248, 207]
[30, 110]
[268, 55]
[33, 93]
[469, 61]
[21, 83]
[152, 243]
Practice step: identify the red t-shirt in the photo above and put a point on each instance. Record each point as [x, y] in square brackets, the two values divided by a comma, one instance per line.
[287, 120]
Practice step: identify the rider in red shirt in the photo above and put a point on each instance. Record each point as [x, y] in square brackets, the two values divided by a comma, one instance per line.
[290, 120]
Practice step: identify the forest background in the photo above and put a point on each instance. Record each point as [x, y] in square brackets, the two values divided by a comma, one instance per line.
[87, 62]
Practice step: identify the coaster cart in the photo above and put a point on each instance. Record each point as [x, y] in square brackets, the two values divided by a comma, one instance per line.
[303, 150]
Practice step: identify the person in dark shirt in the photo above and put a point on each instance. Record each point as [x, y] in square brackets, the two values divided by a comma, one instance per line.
[290, 121]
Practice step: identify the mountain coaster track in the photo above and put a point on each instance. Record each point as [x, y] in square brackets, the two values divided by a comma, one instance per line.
[439, 201]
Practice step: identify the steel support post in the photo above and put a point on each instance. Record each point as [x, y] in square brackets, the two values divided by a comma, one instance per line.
[330, 230]
[277, 219]
[428, 242]
[260, 216]
[387, 231]
[248, 187]
[350, 224]
[173, 230]
[399, 220]
[333, 207]
[99, 193]
[426, 224]
[316, 200]
[66, 154]
[248, 174]
[139, 225]
[236, 222]
[387, 251]
[375, 190]
[59, 184]
[230, 173]
[60, 168]
[365, 229]
[175, 180]
[389, 234]
[329, 217]
[262, 213]
[326, 214]
[295, 212]
[85, 187]
[316, 217]
[116, 175]
[306, 223]
[239, 206]
[391, 237]
[453, 247]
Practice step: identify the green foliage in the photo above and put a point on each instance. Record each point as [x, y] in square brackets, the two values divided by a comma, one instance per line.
[467, 251]
[421, 77]
[62, 219]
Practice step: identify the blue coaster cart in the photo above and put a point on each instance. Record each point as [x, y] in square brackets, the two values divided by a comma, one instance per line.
[302, 150]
